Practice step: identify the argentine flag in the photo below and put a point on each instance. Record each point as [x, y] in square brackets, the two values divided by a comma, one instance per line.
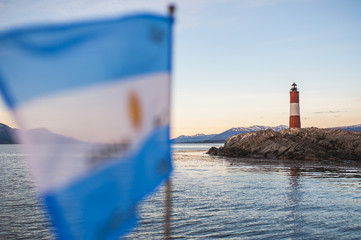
[92, 102]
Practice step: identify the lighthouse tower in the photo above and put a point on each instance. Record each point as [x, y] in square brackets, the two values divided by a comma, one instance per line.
[295, 121]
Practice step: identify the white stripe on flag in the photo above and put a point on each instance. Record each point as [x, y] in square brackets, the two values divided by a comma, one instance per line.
[98, 114]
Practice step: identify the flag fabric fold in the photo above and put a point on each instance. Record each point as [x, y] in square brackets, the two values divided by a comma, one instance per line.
[92, 102]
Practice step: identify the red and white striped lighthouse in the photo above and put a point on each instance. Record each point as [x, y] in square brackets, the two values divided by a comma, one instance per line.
[295, 121]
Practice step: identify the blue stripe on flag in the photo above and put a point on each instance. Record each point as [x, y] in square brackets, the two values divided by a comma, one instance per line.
[58, 58]
[103, 204]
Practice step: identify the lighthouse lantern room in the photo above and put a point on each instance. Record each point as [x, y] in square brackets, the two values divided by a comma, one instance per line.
[295, 121]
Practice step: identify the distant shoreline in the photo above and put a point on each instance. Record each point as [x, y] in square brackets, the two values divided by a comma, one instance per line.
[222, 137]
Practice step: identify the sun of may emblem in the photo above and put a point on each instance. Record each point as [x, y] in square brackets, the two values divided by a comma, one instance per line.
[135, 110]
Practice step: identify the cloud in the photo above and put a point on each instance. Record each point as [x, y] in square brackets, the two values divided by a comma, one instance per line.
[329, 112]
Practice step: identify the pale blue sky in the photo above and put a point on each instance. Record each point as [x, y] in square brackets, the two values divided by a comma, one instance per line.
[235, 60]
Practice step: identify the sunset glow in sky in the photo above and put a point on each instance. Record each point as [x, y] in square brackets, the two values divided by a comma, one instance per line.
[235, 60]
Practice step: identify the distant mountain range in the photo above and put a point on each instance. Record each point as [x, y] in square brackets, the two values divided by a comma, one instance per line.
[43, 135]
[6, 134]
[222, 137]
[356, 128]
[39, 135]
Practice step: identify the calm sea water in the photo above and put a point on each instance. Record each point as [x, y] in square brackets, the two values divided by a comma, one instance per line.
[215, 197]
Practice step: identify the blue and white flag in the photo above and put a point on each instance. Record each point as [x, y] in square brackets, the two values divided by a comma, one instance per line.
[92, 102]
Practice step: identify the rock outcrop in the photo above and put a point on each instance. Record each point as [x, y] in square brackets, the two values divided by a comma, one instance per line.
[301, 144]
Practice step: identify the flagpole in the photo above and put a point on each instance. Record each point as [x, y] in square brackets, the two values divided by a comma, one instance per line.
[168, 209]
[168, 185]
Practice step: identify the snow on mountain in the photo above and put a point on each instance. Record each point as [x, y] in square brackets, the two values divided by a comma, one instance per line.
[221, 137]
[194, 138]
[356, 128]
[235, 131]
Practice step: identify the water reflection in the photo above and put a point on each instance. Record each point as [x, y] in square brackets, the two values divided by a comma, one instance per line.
[294, 196]
[316, 169]
[294, 187]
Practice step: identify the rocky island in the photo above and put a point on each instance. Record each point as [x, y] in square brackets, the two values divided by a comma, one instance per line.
[294, 143]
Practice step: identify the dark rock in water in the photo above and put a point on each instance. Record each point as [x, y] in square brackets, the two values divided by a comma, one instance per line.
[301, 144]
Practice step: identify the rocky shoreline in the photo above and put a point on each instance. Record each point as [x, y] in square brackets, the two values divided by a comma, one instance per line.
[299, 144]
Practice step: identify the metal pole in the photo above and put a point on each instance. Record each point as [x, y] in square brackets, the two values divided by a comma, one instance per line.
[171, 9]
[168, 185]
[168, 209]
